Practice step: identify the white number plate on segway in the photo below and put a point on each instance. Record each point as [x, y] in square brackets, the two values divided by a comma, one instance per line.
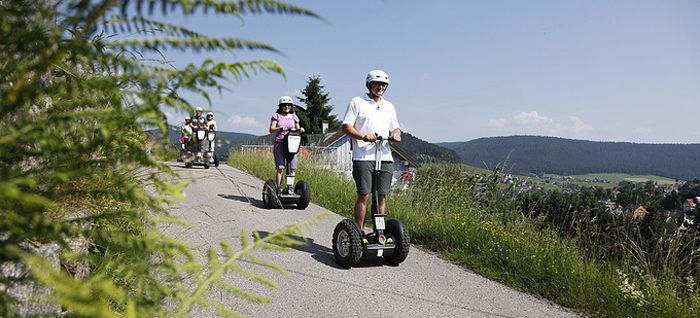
[380, 223]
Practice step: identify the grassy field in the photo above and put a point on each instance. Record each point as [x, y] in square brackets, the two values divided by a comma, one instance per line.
[603, 180]
[480, 230]
[609, 180]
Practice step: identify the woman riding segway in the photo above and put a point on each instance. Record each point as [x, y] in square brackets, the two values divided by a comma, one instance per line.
[285, 124]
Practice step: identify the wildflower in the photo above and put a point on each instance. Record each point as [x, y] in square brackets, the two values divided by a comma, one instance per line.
[408, 176]
[630, 290]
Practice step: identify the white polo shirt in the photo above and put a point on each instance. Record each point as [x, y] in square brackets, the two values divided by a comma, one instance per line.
[369, 117]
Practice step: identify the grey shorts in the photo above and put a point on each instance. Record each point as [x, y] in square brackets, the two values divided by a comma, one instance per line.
[278, 151]
[362, 173]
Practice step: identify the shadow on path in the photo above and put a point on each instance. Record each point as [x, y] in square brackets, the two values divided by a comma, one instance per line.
[324, 254]
[253, 201]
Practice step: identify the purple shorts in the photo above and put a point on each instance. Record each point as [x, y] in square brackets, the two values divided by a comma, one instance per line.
[278, 151]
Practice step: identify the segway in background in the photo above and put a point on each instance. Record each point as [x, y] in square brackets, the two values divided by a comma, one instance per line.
[212, 157]
[194, 156]
[183, 148]
[389, 239]
[275, 195]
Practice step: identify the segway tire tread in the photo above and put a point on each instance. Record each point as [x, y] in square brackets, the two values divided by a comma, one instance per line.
[304, 192]
[354, 243]
[402, 242]
[269, 195]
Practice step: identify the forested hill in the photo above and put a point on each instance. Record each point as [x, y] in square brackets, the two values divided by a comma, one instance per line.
[425, 152]
[532, 154]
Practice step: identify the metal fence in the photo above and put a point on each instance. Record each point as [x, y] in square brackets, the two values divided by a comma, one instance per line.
[332, 158]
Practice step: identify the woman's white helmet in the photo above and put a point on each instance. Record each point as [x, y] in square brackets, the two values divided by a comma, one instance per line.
[377, 76]
[286, 100]
[210, 114]
[199, 109]
[187, 118]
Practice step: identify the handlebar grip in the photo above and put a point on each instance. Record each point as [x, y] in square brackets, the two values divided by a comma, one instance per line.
[379, 138]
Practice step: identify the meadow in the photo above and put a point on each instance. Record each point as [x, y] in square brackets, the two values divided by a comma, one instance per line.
[477, 225]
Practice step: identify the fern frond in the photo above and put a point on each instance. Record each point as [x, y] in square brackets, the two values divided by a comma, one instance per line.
[235, 291]
[240, 7]
[247, 274]
[141, 25]
[195, 44]
[225, 312]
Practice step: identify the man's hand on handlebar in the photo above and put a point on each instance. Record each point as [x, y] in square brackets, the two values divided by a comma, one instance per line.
[395, 137]
[371, 137]
[376, 137]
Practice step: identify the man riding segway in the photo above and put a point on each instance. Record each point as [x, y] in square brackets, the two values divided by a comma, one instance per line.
[365, 119]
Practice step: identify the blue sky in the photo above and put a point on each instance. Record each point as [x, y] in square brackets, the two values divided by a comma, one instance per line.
[460, 70]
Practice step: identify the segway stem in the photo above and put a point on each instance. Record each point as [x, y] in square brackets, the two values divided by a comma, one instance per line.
[378, 229]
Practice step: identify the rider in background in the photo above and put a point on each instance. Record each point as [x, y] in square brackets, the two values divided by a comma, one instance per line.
[282, 121]
[186, 131]
[210, 122]
[210, 126]
[198, 123]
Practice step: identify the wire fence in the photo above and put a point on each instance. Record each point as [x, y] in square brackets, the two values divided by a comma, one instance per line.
[332, 158]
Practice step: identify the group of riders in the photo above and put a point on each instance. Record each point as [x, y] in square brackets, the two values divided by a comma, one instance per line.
[189, 131]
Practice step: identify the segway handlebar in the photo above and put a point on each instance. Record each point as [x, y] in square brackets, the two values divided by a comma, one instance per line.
[381, 138]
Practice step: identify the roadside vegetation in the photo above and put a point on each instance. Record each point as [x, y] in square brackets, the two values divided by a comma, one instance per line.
[549, 244]
[81, 188]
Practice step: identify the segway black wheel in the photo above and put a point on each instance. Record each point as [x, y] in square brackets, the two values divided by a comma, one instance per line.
[269, 194]
[304, 192]
[402, 242]
[347, 243]
[188, 165]
[206, 166]
[216, 161]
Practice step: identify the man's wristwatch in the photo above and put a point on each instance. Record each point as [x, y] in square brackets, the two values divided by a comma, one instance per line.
[364, 138]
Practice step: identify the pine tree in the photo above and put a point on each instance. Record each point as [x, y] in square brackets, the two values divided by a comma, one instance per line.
[318, 108]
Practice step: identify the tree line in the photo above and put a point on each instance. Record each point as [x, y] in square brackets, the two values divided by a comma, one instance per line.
[539, 155]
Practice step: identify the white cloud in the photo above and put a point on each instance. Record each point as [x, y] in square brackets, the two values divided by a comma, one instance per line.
[532, 122]
[246, 124]
[577, 126]
[531, 118]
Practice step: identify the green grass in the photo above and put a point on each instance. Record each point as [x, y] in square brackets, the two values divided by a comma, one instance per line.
[501, 244]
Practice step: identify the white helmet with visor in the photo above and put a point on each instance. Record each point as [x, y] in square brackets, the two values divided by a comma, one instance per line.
[286, 100]
[377, 76]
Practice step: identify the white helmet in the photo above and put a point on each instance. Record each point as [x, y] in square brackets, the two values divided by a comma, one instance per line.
[199, 109]
[377, 76]
[187, 118]
[210, 114]
[286, 100]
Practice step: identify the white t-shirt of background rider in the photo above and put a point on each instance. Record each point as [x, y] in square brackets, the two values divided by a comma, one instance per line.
[369, 117]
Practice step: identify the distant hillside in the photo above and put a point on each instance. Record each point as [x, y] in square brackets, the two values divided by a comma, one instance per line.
[532, 154]
[425, 152]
